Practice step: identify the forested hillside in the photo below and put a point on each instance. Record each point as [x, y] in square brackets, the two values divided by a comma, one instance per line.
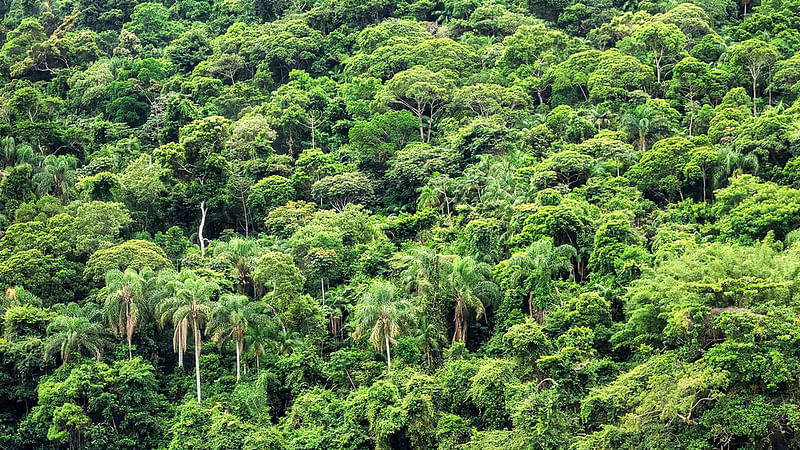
[430, 224]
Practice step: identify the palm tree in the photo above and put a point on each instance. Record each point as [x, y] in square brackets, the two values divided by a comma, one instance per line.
[644, 124]
[258, 339]
[165, 285]
[600, 116]
[74, 330]
[468, 281]
[730, 162]
[125, 302]
[13, 154]
[429, 338]
[56, 175]
[231, 320]
[190, 305]
[420, 272]
[242, 254]
[383, 315]
[434, 194]
[537, 265]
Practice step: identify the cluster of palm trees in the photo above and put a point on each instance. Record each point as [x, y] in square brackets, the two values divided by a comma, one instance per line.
[181, 300]
[385, 312]
[430, 290]
[52, 174]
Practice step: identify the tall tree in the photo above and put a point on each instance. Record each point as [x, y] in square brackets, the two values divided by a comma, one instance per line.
[535, 267]
[241, 255]
[421, 272]
[231, 320]
[662, 40]
[74, 331]
[125, 302]
[56, 176]
[533, 51]
[198, 162]
[756, 57]
[422, 91]
[190, 305]
[468, 281]
[382, 315]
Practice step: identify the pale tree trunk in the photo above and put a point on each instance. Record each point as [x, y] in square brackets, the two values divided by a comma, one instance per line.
[203, 211]
[704, 187]
[238, 357]
[313, 133]
[388, 353]
[421, 127]
[197, 358]
[755, 112]
[322, 286]
[658, 57]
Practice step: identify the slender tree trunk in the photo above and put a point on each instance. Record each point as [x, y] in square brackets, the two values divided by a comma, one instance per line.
[322, 285]
[203, 211]
[238, 356]
[457, 323]
[388, 353]
[278, 316]
[197, 357]
[704, 187]
[180, 356]
[313, 133]
[530, 303]
[128, 329]
[421, 127]
[755, 112]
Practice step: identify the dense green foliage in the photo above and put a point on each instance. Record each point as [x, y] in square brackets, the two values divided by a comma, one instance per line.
[411, 224]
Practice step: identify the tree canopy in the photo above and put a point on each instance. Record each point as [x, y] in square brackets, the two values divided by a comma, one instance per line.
[340, 224]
